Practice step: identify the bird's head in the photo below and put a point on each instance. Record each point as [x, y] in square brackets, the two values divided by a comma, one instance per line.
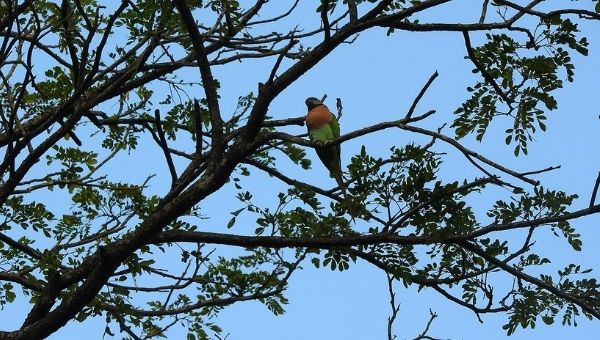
[312, 102]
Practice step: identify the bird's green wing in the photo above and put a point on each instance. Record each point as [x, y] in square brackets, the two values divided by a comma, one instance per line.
[335, 127]
[323, 133]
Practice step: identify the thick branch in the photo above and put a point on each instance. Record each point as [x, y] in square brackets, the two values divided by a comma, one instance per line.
[278, 242]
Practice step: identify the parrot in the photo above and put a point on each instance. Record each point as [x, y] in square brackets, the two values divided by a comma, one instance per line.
[322, 127]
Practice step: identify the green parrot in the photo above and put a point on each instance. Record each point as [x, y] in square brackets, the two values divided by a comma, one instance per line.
[322, 127]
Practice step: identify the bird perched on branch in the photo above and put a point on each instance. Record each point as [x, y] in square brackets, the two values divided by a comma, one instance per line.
[323, 127]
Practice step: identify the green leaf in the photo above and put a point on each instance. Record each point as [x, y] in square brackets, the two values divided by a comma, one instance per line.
[548, 320]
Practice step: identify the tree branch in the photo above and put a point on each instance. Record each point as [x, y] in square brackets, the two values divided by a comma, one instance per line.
[486, 75]
[395, 308]
[35, 286]
[352, 10]
[325, 19]
[197, 121]
[278, 242]
[208, 82]
[165, 147]
[424, 89]
[595, 191]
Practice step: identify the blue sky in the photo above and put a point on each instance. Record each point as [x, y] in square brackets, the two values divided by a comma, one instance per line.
[377, 78]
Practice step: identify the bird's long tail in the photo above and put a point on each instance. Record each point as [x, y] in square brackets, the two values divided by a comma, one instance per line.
[339, 178]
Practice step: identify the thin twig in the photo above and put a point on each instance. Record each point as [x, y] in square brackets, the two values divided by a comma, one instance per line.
[423, 335]
[284, 51]
[124, 327]
[291, 181]
[165, 147]
[274, 19]
[535, 172]
[468, 152]
[420, 95]
[595, 191]
[197, 121]
[395, 308]
[488, 77]
[541, 284]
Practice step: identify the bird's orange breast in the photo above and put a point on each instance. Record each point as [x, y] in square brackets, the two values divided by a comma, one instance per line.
[318, 116]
